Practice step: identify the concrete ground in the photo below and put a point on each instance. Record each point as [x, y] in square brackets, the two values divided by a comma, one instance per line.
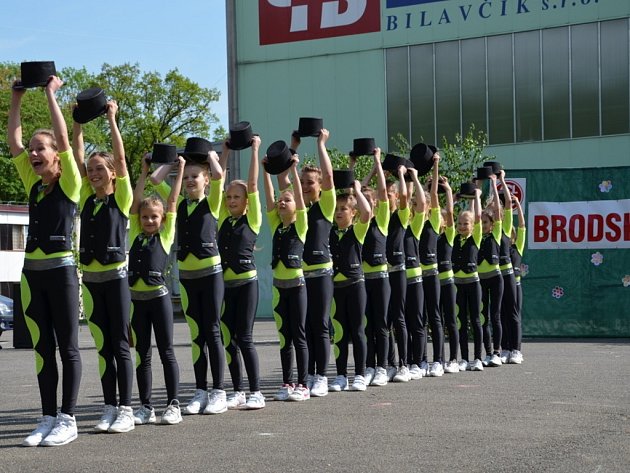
[566, 409]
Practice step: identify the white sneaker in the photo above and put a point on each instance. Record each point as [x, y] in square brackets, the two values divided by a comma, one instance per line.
[414, 372]
[64, 431]
[107, 419]
[144, 415]
[424, 369]
[495, 360]
[339, 384]
[505, 354]
[44, 426]
[463, 365]
[476, 365]
[516, 357]
[451, 367]
[235, 400]
[391, 372]
[217, 402]
[310, 379]
[380, 377]
[198, 402]
[436, 370]
[369, 375]
[256, 401]
[320, 386]
[300, 393]
[486, 360]
[358, 384]
[284, 392]
[402, 375]
[172, 414]
[124, 421]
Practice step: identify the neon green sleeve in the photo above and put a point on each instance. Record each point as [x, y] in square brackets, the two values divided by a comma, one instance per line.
[327, 203]
[123, 194]
[417, 224]
[477, 234]
[163, 190]
[360, 230]
[520, 239]
[301, 224]
[167, 234]
[25, 171]
[274, 220]
[382, 216]
[134, 227]
[508, 222]
[214, 197]
[497, 229]
[404, 215]
[450, 234]
[254, 212]
[434, 219]
[86, 191]
[70, 180]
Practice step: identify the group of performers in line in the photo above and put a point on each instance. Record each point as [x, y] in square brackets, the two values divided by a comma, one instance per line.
[379, 267]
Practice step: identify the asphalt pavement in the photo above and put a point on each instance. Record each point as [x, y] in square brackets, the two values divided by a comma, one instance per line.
[565, 409]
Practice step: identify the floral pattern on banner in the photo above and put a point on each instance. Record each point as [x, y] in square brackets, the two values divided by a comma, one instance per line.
[524, 270]
[605, 186]
[557, 292]
[626, 280]
[597, 258]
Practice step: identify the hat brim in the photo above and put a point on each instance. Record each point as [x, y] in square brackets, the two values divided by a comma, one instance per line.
[274, 168]
[82, 117]
[196, 157]
[239, 147]
[300, 134]
[30, 85]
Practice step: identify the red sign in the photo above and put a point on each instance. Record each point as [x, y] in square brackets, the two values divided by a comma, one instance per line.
[515, 189]
[284, 21]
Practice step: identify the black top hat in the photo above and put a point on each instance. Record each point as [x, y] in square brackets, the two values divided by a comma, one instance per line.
[441, 188]
[309, 126]
[467, 190]
[421, 156]
[392, 162]
[433, 148]
[91, 103]
[496, 166]
[363, 147]
[343, 178]
[35, 74]
[240, 136]
[278, 158]
[197, 149]
[484, 172]
[163, 153]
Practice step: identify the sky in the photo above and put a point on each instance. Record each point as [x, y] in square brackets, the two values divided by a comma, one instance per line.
[158, 35]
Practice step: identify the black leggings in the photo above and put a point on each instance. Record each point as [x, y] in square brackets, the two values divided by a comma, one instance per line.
[290, 315]
[511, 314]
[237, 326]
[107, 305]
[348, 322]
[396, 317]
[319, 292]
[415, 325]
[448, 294]
[154, 313]
[468, 306]
[201, 301]
[51, 309]
[378, 292]
[431, 286]
[491, 296]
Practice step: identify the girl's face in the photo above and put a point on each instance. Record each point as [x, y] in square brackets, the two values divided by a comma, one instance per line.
[100, 176]
[392, 196]
[42, 155]
[151, 217]
[286, 204]
[486, 223]
[311, 186]
[195, 181]
[344, 214]
[464, 225]
[370, 195]
[236, 200]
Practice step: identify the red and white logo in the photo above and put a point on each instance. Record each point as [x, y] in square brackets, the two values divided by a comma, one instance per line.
[517, 189]
[284, 21]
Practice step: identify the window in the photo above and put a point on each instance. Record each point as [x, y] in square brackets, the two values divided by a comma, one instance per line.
[12, 237]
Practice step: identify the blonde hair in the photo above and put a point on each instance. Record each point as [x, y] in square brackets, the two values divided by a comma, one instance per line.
[238, 183]
[153, 201]
[315, 169]
[49, 133]
[466, 214]
[105, 156]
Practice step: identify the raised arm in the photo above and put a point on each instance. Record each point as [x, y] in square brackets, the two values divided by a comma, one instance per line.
[363, 206]
[171, 203]
[252, 177]
[449, 202]
[476, 206]
[78, 148]
[495, 203]
[297, 187]
[421, 200]
[14, 129]
[216, 172]
[118, 148]
[435, 203]
[519, 211]
[138, 191]
[324, 160]
[270, 197]
[381, 186]
[160, 173]
[506, 191]
[58, 122]
[402, 188]
[225, 155]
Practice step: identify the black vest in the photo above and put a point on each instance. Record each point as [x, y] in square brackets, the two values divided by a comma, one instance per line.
[488, 250]
[287, 247]
[395, 246]
[50, 221]
[516, 259]
[374, 247]
[316, 247]
[197, 232]
[236, 245]
[346, 254]
[412, 251]
[428, 244]
[103, 235]
[147, 261]
[504, 250]
[445, 253]
[465, 257]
